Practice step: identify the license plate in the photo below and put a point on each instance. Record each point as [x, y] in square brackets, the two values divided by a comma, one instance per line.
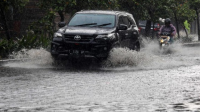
[77, 52]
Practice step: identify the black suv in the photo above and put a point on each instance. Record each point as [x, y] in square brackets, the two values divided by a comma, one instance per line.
[93, 33]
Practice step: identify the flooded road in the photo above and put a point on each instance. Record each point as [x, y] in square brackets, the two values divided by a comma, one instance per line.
[146, 81]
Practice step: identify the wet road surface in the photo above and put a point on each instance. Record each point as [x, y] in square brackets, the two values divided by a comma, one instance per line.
[136, 82]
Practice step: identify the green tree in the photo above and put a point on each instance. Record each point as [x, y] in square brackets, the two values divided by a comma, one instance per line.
[155, 9]
[150, 10]
[135, 8]
[69, 6]
[5, 5]
[194, 4]
[181, 11]
[72, 6]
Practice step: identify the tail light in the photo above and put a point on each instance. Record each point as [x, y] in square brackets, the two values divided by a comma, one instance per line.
[156, 29]
[140, 29]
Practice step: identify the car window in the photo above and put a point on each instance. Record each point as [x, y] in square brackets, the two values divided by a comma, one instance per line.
[106, 20]
[131, 19]
[120, 20]
[126, 21]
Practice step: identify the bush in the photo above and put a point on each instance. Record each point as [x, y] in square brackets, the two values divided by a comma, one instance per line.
[29, 41]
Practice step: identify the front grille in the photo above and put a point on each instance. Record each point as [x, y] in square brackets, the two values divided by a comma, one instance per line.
[84, 38]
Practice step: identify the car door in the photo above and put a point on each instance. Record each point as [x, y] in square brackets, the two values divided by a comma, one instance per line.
[122, 33]
[129, 31]
[125, 35]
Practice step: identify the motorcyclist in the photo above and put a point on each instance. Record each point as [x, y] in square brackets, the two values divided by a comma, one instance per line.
[168, 27]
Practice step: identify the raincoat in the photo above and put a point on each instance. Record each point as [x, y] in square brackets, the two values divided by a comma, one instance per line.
[170, 29]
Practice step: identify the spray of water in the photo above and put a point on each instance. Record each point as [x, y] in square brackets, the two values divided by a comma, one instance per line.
[151, 57]
[33, 58]
[125, 57]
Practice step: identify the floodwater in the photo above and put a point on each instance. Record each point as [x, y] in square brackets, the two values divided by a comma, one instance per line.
[129, 81]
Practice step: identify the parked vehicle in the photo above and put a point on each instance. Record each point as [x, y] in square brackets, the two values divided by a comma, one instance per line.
[154, 29]
[93, 33]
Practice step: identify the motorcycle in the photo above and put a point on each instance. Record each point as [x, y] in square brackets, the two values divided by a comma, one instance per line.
[164, 40]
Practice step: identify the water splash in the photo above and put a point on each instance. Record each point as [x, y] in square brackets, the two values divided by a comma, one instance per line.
[151, 57]
[125, 57]
[33, 58]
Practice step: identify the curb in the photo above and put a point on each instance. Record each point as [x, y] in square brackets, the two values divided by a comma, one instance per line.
[192, 44]
[3, 61]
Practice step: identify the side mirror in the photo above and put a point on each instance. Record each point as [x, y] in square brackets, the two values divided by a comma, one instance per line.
[123, 27]
[61, 24]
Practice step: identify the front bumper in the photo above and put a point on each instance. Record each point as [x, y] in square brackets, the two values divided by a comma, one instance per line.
[80, 49]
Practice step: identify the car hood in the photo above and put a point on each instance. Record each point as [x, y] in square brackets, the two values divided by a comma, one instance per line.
[88, 30]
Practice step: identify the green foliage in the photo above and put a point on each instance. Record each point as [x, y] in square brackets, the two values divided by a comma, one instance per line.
[72, 6]
[43, 29]
[17, 4]
[194, 4]
[183, 11]
[134, 7]
[29, 41]
[32, 40]
[44, 26]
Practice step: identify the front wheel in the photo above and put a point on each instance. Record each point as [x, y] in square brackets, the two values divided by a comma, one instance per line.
[135, 46]
[55, 60]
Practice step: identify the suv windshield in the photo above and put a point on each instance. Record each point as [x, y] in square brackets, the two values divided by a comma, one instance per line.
[92, 20]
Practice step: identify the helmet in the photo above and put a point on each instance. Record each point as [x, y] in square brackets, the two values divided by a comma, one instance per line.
[167, 21]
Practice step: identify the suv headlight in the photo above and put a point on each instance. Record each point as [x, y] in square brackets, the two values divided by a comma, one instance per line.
[61, 30]
[101, 37]
[111, 36]
[58, 35]
[106, 37]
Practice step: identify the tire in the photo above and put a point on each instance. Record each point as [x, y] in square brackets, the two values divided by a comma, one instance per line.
[135, 46]
[54, 56]
[55, 60]
[117, 45]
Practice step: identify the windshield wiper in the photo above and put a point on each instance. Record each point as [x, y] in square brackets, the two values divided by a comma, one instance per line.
[86, 24]
[105, 24]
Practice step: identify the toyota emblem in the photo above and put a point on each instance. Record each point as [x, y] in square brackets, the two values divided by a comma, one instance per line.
[77, 37]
